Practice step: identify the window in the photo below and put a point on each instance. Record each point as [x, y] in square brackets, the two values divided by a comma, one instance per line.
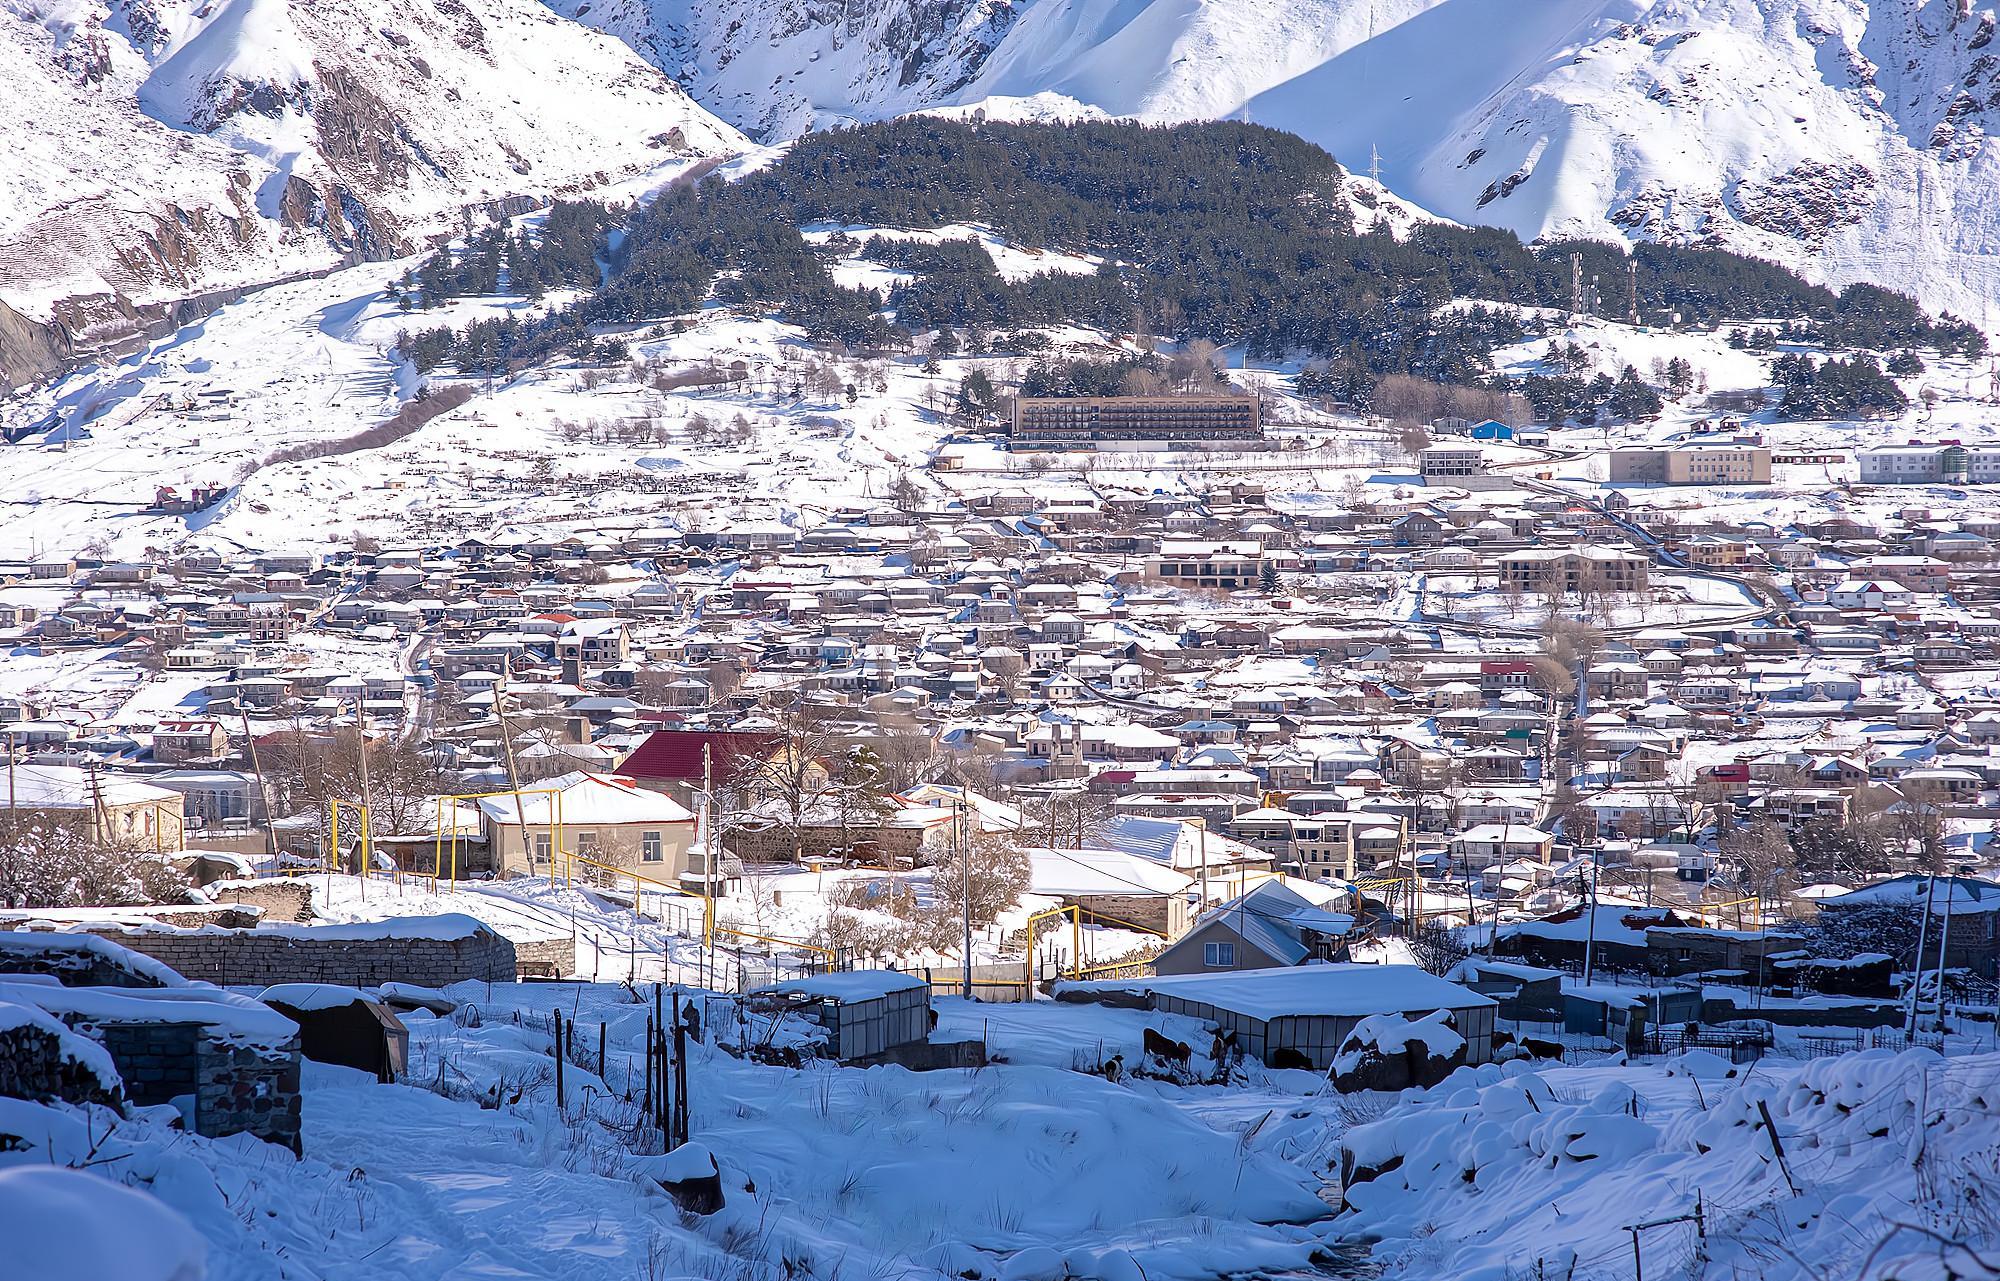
[586, 845]
[651, 848]
[542, 847]
[1218, 956]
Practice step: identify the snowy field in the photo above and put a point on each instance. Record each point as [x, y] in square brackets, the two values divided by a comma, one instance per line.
[1030, 1170]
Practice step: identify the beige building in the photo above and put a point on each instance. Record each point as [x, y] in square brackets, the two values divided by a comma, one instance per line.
[1194, 564]
[1159, 420]
[1460, 465]
[608, 821]
[116, 810]
[1722, 463]
[1572, 569]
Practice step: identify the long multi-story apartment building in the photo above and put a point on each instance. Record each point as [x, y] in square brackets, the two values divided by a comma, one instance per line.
[1136, 419]
[1738, 462]
[1943, 463]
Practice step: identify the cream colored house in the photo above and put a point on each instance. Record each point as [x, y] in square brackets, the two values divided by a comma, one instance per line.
[591, 821]
[116, 810]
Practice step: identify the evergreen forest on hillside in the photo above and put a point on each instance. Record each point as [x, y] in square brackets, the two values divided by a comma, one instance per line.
[1223, 231]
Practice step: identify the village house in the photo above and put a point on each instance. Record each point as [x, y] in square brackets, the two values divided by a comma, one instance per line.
[596, 824]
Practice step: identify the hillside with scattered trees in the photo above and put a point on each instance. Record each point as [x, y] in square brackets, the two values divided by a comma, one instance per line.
[1224, 232]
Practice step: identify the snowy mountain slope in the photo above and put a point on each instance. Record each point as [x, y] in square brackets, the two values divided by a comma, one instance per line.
[166, 147]
[1847, 138]
[1842, 138]
[777, 68]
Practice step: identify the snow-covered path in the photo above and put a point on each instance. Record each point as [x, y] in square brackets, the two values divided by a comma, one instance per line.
[471, 1193]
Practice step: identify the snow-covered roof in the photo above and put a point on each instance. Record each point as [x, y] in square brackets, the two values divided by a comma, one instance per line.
[1956, 895]
[313, 996]
[587, 799]
[1337, 991]
[1079, 872]
[67, 787]
[853, 985]
[229, 1015]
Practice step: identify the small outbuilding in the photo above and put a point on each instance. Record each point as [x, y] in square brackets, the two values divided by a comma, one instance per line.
[1305, 1013]
[344, 1026]
[867, 1014]
[1624, 1014]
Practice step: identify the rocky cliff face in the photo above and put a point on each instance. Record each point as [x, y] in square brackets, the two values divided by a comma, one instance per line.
[776, 68]
[170, 148]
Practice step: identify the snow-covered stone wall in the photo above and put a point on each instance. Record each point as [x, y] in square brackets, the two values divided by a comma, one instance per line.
[405, 951]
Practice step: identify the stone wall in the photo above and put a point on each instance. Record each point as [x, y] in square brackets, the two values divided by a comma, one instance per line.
[246, 958]
[560, 953]
[77, 960]
[282, 902]
[248, 1090]
[33, 1066]
[235, 1089]
[1165, 913]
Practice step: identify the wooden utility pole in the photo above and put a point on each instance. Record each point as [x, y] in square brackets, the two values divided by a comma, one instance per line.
[367, 792]
[10, 786]
[514, 786]
[263, 793]
[1201, 825]
[965, 885]
[710, 851]
[1917, 970]
[1590, 914]
[99, 818]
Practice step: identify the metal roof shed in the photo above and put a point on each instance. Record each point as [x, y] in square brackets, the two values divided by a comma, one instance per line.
[1311, 1009]
[865, 1012]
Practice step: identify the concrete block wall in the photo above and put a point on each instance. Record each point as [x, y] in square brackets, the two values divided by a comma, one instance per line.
[245, 958]
[159, 1061]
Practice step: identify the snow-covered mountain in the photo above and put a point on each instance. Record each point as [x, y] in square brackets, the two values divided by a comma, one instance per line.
[777, 68]
[159, 149]
[1844, 137]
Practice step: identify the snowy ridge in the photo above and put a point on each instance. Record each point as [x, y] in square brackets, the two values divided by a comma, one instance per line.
[162, 147]
[777, 70]
[1845, 138]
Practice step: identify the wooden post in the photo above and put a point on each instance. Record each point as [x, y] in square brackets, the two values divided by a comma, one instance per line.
[557, 1027]
[1700, 1237]
[1777, 1148]
[1638, 1264]
[646, 1091]
[667, 1091]
[673, 1097]
[600, 1051]
[680, 1075]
